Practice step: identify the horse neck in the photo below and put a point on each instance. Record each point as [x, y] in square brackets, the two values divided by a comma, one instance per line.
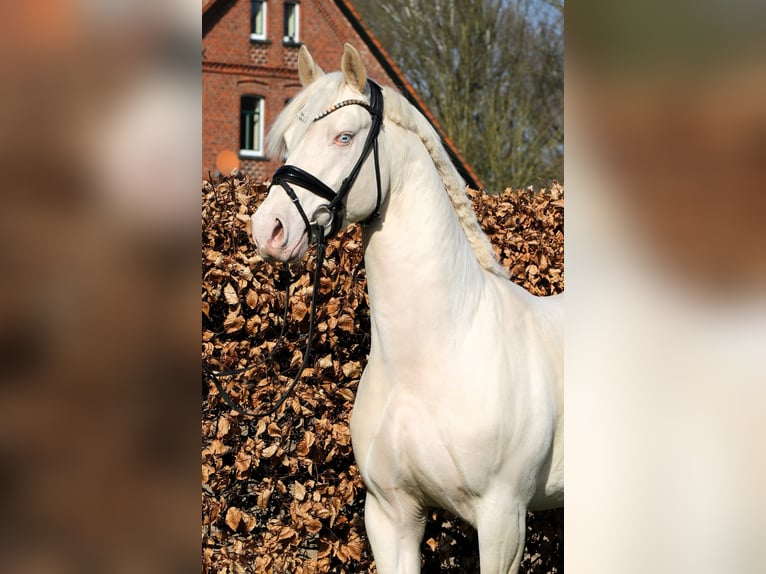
[424, 280]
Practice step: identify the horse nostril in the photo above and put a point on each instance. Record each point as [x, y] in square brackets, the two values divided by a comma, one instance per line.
[277, 232]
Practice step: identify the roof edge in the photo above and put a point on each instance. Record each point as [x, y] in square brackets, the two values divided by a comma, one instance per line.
[408, 91]
[212, 12]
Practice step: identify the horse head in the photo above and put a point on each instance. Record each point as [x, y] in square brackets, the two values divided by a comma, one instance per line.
[329, 136]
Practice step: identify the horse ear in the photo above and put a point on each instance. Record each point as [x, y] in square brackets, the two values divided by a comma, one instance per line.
[353, 68]
[308, 71]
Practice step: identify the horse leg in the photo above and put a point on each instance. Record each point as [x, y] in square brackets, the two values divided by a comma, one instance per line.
[501, 528]
[395, 534]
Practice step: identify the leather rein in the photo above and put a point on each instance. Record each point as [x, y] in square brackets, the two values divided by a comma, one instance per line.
[325, 222]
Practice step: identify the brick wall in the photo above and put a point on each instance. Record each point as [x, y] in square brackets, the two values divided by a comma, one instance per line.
[234, 65]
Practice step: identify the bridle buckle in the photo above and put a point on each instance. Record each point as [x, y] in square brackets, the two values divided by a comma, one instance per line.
[324, 219]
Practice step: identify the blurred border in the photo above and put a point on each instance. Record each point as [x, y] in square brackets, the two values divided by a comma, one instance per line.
[99, 297]
[99, 308]
[666, 268]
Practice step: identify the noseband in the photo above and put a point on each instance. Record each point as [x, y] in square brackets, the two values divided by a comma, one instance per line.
[328, 218]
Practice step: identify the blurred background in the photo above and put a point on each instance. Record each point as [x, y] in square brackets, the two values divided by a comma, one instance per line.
[665, 260]
[99, 298]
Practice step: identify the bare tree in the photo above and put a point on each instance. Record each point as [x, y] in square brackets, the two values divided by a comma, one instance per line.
[492, 73]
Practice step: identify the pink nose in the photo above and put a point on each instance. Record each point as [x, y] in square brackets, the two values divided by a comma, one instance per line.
[276, 241]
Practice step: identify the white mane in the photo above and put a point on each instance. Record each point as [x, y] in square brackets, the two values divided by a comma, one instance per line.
[318, 96]
[401, 113]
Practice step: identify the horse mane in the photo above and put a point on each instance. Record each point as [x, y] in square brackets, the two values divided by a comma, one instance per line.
[311, 101]
[403, 114]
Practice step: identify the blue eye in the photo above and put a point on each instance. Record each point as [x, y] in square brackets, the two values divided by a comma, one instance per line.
[344, 138]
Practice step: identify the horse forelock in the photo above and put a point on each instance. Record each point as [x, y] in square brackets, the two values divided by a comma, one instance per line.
[301, 109]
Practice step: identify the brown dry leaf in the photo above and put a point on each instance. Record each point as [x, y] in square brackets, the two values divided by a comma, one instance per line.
[251, 298]
[346, 323]
[305, 444]
[214, 257]
[286, 532]
[263, 498]
[332, 306]
[230, 294]
[335, 506]
[207, 470]
[261, 427]
[352, 369]
[297, 358]
[250, 522]
[274, 430]
[325, 362]
[224, 426]
[216, 447]
[354, 548]
[313, 525]
[299, 311]
[233, 322]
[299, 491]
[325, 548]
[242, 463]
[263, 563]
[233, 517]
[269, 451]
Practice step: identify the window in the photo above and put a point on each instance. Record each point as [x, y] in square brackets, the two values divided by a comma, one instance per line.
[251, 126]
[291, 23]
[257, 20]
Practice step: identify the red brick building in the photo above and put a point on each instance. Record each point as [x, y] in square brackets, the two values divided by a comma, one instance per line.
[249, 71]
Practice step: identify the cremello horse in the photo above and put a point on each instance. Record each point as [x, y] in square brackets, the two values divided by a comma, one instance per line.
[461, 403]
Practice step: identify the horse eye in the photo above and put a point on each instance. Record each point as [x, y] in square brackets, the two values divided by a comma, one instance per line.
[344, 138]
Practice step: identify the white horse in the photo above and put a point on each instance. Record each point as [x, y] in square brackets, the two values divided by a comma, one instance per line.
[461, 403]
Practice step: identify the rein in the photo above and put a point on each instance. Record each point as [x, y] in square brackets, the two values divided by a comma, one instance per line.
[325, 223]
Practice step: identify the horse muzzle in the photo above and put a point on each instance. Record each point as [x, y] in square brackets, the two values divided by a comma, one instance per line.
[279, 236]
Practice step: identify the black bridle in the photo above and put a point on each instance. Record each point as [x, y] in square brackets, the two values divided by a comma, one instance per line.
[333, 212]
[326, 222]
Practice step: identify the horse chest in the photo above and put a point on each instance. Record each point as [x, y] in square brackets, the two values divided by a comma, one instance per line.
[404, 445]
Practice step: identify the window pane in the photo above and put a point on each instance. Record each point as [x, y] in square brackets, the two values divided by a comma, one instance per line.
[257, 10]
[291, 20]
[250, 132]
[256, 127]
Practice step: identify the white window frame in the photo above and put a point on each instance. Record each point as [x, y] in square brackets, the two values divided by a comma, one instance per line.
[253, 153]
[264, 17]
[297, 15]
